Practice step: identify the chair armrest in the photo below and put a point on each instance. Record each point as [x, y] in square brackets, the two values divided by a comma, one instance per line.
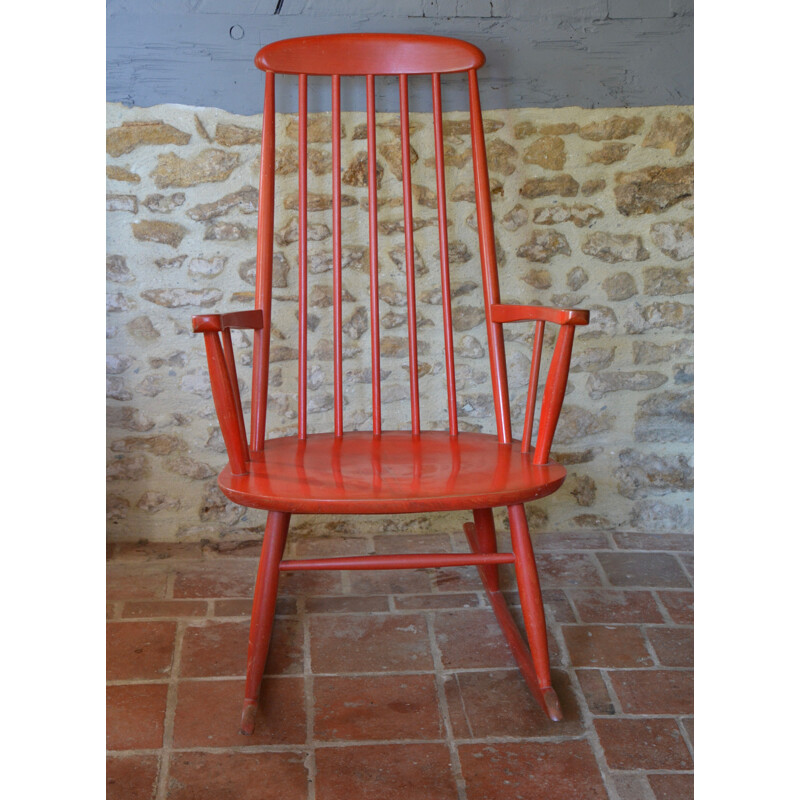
[216, 330]
[557, 373]
[502, 312]
[215, 323]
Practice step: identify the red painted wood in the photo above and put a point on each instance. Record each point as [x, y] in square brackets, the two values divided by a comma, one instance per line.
[554, 391]
[402, 561]
[491, 286]
[530, 596]
[374, 307]
[266, 230]
[336, 160]
[561, 316]
[369, 54]
[264, 597]
[483, 539]
[408, 226]
[533, 385]
[302, 317]
[378, 471]
[214, 323]
[230, 363]
[444, 255]
[225, 402]
[394, 473]
[547, 698]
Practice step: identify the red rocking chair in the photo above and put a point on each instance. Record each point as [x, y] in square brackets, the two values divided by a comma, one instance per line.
[387, 471]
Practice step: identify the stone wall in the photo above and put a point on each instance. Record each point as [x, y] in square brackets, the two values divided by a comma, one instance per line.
[593, 209]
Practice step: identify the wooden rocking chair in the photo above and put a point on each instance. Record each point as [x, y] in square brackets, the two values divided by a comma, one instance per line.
[387, 471]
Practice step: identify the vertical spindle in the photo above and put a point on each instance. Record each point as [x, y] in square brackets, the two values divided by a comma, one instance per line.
[408, 226]
[264, 245]
[302, 166]
[444, 256]
[554, 390]
[533, 384]
[336, 160]
[374, 308]
[491, 285]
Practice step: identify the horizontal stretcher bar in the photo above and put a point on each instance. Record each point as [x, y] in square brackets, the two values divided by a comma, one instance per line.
[408, 561]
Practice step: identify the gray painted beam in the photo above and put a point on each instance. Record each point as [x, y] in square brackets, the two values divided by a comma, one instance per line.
[558, 54]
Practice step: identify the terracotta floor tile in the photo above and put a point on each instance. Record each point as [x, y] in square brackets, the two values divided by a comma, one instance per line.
[139, 650]
[345, 603]
[499, 703]
[131, 777]
[234, 548]
[643, 569]
[688, 723]
[674, 646]
[643, 744]
[680, 606]
[135, 716]
[361, 643]
[157, 551]
[311, 582]
[629, 785]
[385, 772]
[329, 547]
[557, 570]
[608, 605]
[571, 540]
[208, 714]
[595, 692]
[654, 541]
[672, 787]
[242, 607]
[413, 602]
[217, 649]
[661, 691]
[553, 770]
[390, 581]
[127, 582]
[216, 578]
[214, 776]
[457, 579]
[471, 639]
[376, 707]
[606, 646]
[164, 608]
[413, 543]
[557, 602]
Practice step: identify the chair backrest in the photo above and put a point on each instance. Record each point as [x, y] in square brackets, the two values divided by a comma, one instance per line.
[372, 55]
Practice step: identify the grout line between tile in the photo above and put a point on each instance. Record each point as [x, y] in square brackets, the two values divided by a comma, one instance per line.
[444, 711]
[169, 713]
[685, 734]
[310, 762]
[587, 717]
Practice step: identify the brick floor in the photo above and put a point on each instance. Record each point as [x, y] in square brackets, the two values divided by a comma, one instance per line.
[399, 685]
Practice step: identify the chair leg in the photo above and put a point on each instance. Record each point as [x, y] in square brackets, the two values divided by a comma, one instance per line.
[486, 542]
[532, 609]
[266, 593]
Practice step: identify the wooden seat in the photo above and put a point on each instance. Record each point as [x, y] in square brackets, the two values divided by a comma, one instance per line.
[397, 472]
[388, 471]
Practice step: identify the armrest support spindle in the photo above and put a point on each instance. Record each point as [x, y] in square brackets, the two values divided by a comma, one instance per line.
[224, 381]
[558, 371]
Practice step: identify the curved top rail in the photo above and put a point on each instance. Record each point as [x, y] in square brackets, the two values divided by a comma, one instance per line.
[369, 54]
